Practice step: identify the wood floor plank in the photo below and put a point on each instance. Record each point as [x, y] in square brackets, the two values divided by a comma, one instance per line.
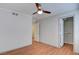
[38, 48]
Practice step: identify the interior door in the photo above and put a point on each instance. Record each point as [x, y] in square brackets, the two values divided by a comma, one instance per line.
[36, 32]
[61, 33]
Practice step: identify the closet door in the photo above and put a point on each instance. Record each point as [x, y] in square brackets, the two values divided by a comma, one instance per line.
[61, 33]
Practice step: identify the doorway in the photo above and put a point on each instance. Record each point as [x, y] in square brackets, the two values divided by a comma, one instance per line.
[68, 30]
[35, 32]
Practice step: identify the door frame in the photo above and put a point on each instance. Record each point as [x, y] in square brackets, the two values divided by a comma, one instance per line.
[61, 30]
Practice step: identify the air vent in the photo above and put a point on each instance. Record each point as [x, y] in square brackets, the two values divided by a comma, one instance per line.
[16, 14]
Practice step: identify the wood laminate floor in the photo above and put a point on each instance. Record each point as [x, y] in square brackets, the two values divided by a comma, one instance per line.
[42, 49]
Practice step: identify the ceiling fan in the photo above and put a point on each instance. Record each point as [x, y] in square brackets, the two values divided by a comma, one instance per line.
[40, 10]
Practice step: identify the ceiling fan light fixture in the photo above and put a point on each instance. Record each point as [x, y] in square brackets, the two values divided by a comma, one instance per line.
[40, 12]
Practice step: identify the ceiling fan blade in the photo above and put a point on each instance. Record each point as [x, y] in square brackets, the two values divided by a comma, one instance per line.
[38, 6]
[34, 13]
[46, 11]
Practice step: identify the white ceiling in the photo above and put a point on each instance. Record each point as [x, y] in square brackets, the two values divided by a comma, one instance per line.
[56, 8]
[29, 8]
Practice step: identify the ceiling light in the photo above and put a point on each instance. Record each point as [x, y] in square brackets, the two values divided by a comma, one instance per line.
[40, 12]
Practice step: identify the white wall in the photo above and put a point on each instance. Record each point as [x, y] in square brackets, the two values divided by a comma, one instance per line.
[49, 31]
[76, 33]
[15, 31]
